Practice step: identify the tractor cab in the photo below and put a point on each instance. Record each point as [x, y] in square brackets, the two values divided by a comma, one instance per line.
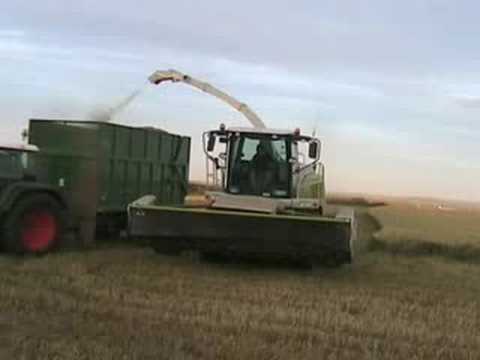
[259, 162]
[15, 162]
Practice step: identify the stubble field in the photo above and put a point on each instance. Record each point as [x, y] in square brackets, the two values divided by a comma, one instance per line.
[413, 293]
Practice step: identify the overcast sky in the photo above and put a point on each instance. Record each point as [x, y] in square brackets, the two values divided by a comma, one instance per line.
[391, 87]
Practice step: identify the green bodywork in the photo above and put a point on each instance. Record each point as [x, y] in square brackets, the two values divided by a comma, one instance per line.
[310, 238]
[312, 187]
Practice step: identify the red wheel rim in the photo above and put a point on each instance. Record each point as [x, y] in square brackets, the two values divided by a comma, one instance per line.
[39, 230]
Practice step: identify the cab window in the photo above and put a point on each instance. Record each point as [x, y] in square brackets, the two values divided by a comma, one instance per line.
[10, 164]
[259, 166]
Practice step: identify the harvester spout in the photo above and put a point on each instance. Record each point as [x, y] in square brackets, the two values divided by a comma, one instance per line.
[165, 75]
[160, 76]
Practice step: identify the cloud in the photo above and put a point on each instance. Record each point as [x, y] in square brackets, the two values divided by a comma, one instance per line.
[379, 36]
[376, 76]
[24, 48]
[11, 33]
[467, 101]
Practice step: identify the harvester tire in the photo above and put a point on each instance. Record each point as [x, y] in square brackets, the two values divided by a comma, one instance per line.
[167, 246]
[332, 260]
[36, 224]
[215, 257]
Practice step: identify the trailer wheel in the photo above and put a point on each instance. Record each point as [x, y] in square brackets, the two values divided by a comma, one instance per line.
[36, 224]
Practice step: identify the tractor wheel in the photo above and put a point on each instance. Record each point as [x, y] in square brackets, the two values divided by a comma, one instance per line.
[36, 224]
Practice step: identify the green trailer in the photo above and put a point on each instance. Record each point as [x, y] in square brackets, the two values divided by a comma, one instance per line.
[88, 172]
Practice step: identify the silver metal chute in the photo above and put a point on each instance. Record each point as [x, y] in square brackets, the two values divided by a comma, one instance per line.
[160, 76]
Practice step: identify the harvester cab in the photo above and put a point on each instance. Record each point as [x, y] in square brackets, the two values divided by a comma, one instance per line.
[281, 166]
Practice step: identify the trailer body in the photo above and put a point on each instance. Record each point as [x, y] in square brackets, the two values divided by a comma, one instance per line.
[101, 167]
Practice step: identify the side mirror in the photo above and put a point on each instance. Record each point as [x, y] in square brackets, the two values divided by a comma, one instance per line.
[313, 150]
[211, 142]
[24, 134]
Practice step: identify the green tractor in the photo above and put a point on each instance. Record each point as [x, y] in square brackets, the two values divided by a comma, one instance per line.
[33, 215]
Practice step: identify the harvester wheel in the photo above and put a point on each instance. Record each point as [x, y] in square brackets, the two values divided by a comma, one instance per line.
[215, 257]
[167, 246]
[332, 260]
[36, 224]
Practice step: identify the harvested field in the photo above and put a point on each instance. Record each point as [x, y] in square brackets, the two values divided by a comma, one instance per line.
[427, 228]
[121, 301]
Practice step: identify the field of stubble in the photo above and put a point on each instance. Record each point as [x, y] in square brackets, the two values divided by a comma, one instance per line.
[413, 293]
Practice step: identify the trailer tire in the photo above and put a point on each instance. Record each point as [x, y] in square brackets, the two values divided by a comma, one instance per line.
[36, 224]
